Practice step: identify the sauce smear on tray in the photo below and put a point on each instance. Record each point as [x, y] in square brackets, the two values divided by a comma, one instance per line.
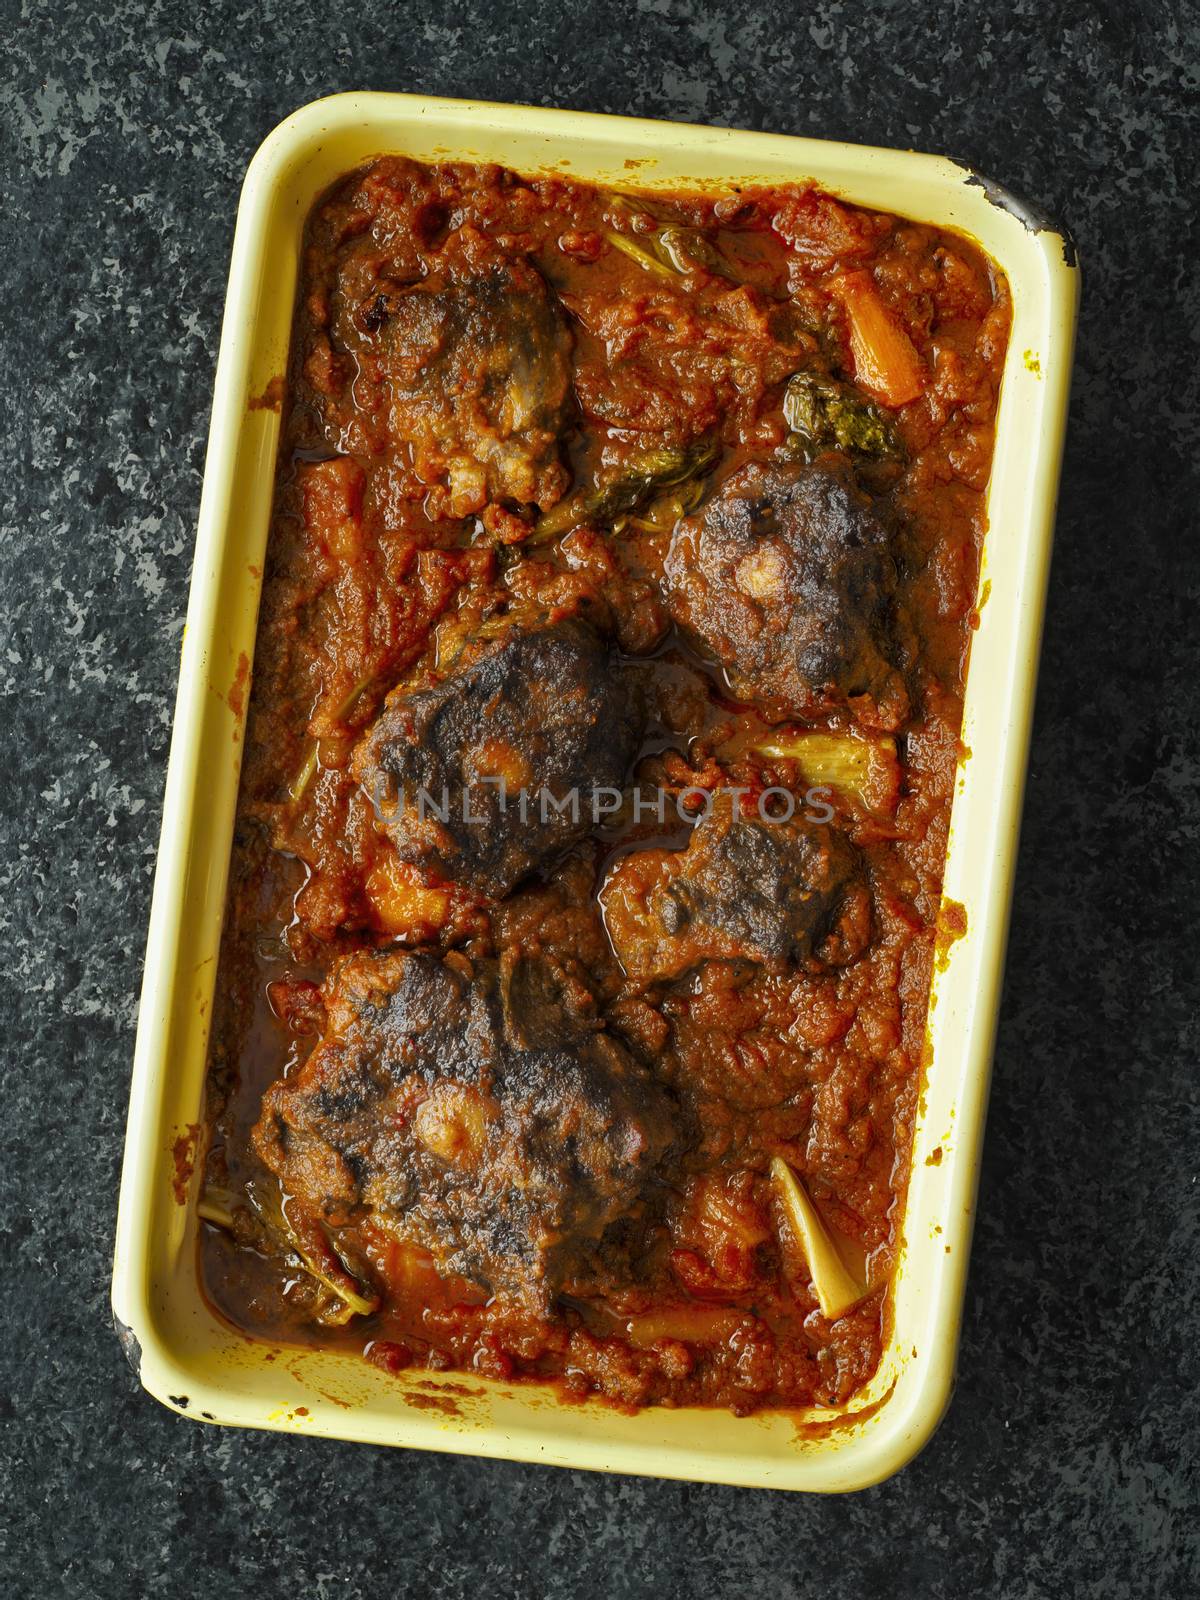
[601, 746]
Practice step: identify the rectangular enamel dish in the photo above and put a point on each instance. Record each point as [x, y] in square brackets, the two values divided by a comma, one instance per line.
[184, 1355]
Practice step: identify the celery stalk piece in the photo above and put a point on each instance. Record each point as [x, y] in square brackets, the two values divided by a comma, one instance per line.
[644, 259]
[299, 784]
[308, 767]
[215, 1206]
[354, 1303]
[687, 249]
[864, 768]
[836, 1289]
[669, 251]
[322, 1262]
[317, 1255]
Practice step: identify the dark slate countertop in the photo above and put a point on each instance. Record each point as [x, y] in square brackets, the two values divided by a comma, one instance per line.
[1068, 1463]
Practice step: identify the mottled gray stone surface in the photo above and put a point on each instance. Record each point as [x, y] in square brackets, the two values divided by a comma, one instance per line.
[1068, 1464]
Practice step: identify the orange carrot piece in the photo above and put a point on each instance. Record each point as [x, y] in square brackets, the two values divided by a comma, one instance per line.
[885, 363]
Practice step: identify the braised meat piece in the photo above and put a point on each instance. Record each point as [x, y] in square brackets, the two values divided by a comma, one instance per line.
[479, 1111]
[786, 578]
[775, 893]
[477, 364]
[510, 750]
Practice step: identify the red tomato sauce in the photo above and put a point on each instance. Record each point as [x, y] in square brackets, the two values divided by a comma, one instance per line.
[683, 488]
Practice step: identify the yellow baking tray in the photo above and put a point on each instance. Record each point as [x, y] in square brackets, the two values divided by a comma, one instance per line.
[183, 1353]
